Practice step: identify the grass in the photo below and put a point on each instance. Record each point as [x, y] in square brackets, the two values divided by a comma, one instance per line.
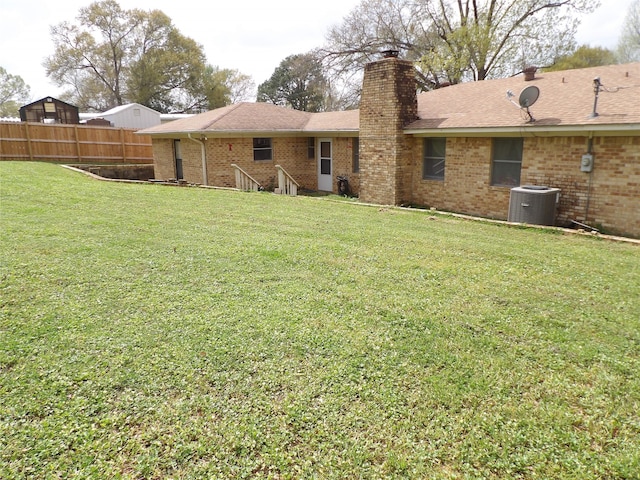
[157, 332]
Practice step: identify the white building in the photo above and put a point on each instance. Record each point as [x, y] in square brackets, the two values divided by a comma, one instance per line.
[132, 115]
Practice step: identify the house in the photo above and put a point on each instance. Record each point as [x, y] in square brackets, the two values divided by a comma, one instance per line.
[170, 117]
[132, 115]
[463, 148]
[49, 110]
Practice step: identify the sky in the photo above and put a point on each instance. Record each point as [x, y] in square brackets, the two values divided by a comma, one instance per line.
[252, 36]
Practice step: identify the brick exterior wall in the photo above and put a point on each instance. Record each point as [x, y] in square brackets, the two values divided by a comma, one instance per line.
[612, 202]
[192, 161]
[467, 180]
[387, 104]
[613, 198]
[289, 152]
[163, 164]
[391, 163]
[343, 163]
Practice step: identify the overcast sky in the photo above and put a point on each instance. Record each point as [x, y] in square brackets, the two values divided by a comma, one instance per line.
[252, 36]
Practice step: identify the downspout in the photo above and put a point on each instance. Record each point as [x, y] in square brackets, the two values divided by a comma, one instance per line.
[204, 158]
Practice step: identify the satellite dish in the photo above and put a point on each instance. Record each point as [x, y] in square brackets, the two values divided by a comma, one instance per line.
[528, 96]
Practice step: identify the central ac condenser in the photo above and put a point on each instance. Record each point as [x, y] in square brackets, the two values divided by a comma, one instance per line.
[533, 204]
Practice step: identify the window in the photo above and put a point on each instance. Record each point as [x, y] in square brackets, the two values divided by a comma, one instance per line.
[262, 149]
[177, 151]
[507, 161]
[434, 155]
[311, 148]
[355, 154]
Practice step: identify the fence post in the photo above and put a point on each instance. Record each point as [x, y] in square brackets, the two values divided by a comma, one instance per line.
[75, 132]
[124, 147]
[26, 127]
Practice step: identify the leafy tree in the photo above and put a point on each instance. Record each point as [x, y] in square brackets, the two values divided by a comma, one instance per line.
[459, 40]
[92, 57]
[629, 42]
[115, 56]
[241, 86]
[216, 91]
[14, 92]
[298, 82]
[219, 87]
[224, 86]
[583, 57]
[166, 68]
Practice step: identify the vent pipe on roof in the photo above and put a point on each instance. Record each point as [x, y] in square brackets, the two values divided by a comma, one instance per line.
[596, 90]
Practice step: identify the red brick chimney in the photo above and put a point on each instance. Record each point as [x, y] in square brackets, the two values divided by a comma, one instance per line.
[387, 104]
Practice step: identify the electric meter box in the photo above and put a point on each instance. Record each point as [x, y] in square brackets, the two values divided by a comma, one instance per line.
[586, 163]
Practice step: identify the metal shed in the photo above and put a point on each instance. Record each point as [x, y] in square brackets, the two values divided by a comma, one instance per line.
[50, 110]
[132, 115]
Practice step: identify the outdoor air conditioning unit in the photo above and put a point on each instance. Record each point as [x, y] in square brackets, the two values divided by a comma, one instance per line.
[533, 204]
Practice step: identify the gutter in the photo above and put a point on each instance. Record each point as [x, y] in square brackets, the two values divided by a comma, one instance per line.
[204, 158]
[541, 130]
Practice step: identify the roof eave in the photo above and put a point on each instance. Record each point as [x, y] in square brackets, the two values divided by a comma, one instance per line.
[252, 133]
[522, 130]
[343, 132]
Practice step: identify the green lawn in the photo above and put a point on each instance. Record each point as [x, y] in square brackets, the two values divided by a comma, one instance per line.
[158, 332]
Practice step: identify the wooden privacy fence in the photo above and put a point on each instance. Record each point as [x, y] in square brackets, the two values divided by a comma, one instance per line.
[73, 144]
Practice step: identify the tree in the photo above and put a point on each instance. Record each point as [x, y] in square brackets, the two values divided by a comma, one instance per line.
[225, 86]
[13, 93]
[219, 87]
[241, 86]
[583, 57]
[92, 57]
[216, 91]
[115, 56]
[459, 40]
[298, 82]
[166, 68]
[629, 43]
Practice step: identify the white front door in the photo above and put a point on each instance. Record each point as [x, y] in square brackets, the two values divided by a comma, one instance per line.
[325, 165]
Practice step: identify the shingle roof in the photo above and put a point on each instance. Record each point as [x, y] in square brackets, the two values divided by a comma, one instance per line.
[566, 100]
[259, 117]
[348, 120]
[242, 117]
[565, 103]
